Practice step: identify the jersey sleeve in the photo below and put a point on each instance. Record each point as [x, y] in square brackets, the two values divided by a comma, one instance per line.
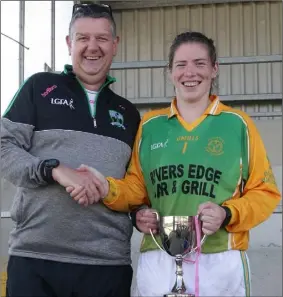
[19, 166]
[260, 194]
[130, 192]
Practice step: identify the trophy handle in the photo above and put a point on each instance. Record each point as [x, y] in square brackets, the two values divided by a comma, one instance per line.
[198, 217]
[152, 235]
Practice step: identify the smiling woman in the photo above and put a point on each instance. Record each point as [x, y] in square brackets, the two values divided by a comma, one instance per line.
[197, 158]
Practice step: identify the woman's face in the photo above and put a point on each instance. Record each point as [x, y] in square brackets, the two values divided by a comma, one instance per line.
[192, 71]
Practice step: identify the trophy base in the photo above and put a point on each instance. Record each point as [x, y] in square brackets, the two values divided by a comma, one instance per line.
[178, 295]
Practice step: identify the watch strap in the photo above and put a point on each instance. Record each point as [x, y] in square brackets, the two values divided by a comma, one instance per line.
[46, 169]
[228, 216]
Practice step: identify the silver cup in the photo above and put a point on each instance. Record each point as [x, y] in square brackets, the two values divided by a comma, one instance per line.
[179, 239]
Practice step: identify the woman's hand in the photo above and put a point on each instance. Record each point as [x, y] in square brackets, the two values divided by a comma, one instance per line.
[212, 216]
[146, 220]
[97, 192]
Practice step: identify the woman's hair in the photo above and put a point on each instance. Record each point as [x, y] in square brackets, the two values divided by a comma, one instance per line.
[187, 37]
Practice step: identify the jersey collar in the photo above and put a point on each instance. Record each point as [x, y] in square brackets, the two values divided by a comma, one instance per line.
[215, 107]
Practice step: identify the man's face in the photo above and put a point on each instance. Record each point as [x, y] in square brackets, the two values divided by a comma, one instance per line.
[92, 48]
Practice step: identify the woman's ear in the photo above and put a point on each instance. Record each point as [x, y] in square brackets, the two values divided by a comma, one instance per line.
[215, 70]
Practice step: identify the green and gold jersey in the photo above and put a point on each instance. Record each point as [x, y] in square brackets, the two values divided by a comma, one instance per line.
[176, 166]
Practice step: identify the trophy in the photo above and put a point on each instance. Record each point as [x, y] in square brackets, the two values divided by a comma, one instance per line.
[180, 237]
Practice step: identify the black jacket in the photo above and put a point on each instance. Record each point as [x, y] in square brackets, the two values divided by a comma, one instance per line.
[49, 117]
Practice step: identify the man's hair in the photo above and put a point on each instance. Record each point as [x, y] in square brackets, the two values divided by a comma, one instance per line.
[89, 13]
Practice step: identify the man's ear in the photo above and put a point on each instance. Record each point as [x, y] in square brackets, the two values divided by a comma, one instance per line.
[69, 43]
[115, 45]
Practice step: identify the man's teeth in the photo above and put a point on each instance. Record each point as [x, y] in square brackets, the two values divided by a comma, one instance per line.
[92, 58]
[191, 84]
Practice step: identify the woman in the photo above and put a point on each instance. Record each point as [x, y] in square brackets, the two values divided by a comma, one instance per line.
[198, 157]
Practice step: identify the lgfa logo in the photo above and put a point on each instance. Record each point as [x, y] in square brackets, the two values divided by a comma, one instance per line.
[159, 145]
[64, 102]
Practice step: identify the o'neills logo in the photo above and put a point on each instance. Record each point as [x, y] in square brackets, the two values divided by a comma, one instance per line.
[48, 90]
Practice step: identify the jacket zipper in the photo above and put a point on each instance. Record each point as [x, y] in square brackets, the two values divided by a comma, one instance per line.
[108, 81]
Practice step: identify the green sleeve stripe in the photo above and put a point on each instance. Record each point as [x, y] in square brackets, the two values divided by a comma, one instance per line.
[246, 271]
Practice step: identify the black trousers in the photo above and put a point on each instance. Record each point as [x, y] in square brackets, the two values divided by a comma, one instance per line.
[28, 277]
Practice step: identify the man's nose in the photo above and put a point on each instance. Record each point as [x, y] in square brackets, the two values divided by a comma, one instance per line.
[93, 44]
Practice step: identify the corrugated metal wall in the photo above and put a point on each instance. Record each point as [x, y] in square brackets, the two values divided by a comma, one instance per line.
[239, 29]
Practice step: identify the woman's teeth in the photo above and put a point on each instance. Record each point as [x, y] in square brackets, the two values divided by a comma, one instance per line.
[191, 83]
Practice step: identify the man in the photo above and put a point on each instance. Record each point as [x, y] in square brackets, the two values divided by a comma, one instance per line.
[55, 123]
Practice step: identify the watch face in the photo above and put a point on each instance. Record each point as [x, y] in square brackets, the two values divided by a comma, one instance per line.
[52, 163]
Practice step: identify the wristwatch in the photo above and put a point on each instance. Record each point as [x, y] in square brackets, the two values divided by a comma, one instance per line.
[46, 169]
[228, 216]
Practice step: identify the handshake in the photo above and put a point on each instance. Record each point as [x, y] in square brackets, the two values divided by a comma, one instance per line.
[85, 184]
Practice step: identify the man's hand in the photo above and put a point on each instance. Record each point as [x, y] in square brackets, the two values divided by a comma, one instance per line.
[212, 217]
[100, 182]
[146, 220]
[84, 186]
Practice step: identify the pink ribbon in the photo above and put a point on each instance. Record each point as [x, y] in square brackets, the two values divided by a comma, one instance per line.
[198, 251]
